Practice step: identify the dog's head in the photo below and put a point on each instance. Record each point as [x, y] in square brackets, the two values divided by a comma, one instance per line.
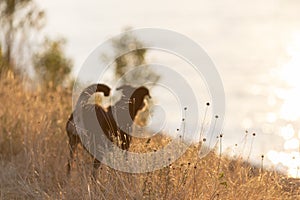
[135, 96]
[138, 93]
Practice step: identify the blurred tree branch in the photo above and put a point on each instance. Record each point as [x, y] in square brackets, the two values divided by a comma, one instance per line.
[51, 65]
[18, 18]
[135, 57]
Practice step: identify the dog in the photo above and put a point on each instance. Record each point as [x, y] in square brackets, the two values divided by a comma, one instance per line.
[115, 122]
[71, 130]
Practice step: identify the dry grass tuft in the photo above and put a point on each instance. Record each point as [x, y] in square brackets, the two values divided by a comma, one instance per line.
[34, 152]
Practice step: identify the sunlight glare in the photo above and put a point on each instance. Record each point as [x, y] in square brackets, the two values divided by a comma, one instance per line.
[291, 144]
[289, 73]
[289, 160]
[271, 117]
[289, 94]
[290, 110]
[272, 155]
[294, 172]
[287, 132]
[290, 70]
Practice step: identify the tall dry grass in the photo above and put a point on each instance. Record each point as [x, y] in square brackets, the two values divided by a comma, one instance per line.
[34, 152]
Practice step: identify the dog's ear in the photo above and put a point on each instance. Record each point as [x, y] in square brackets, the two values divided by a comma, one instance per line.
[142, 92]
[103, 88]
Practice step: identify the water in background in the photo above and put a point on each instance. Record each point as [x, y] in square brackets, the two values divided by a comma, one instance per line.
[254, 44]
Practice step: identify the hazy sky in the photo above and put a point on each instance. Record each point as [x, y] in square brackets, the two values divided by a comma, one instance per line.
[220, 27]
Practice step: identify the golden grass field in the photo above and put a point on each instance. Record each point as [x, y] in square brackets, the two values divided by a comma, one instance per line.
[34, 153]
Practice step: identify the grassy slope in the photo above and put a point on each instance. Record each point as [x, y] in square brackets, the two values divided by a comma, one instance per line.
[34, 152]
